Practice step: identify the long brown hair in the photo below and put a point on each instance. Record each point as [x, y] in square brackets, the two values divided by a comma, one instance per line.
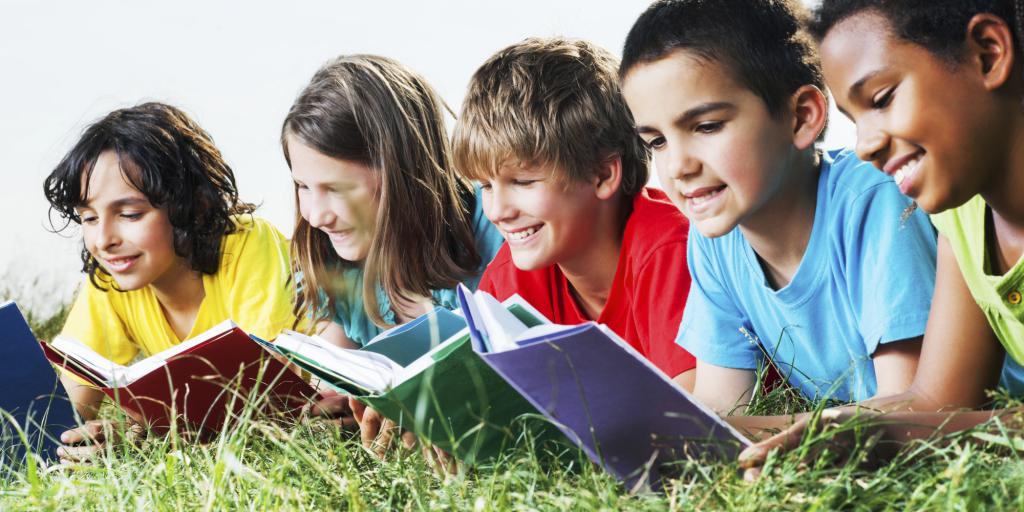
[375, 111]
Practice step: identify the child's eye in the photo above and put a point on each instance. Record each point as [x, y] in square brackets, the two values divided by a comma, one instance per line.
[301, 186]
[485, 186]
[88, 219]
[523, 183]
[131, 216]
[655, 143]
[708, 127]
[883, 99]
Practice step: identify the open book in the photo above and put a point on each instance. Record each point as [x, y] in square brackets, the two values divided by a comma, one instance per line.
[606, 397]
[446, 393]
[201, 382]
[33, 403]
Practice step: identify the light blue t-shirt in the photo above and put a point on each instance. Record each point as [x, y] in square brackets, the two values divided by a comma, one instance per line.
[866, 278]
[351, 315]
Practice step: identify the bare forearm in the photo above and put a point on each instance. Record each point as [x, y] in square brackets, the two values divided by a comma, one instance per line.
[85, 399]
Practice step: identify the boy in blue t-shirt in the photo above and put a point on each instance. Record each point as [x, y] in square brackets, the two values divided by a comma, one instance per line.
[808, 259]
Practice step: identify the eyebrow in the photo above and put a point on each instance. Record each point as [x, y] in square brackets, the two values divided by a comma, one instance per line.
[859, 84]
[120, 203]
[692, 113]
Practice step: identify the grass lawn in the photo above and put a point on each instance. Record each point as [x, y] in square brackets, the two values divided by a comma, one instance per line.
[314, 466]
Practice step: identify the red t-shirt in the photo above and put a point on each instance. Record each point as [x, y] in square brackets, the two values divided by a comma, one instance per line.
[646, 301]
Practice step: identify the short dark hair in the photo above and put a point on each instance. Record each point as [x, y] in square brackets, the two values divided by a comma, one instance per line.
[170, 159]
[940, 26]
[760, 43]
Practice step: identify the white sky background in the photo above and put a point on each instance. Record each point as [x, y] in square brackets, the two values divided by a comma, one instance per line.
[235, 67]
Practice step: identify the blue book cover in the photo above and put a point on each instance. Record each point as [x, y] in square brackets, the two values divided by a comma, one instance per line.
[33, 400]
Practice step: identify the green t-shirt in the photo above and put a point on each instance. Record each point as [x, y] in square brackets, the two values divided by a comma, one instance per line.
[1000, 297]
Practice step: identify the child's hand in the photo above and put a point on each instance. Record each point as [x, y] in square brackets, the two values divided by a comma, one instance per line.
[85, 442]
[442, 462]
[848, 435]
[335, 406]
[376, 431]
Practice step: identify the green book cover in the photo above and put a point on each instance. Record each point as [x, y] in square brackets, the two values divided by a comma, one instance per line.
[457, 401]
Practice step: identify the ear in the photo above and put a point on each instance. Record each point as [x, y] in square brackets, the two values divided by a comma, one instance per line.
[991, 44]
[810, 113]
[608, 178]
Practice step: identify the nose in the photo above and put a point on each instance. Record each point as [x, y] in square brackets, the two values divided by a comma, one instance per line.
[107, 235]
[498, 204]
[677, 164]
[871, 142]
[318, 213]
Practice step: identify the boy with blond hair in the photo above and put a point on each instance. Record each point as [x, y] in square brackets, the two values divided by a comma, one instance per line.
[546, 131]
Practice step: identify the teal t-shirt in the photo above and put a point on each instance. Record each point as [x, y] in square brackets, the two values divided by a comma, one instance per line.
[350, 312]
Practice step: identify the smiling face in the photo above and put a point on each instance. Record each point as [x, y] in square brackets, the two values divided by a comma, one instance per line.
[928, 122]
[720, 154]
[131, 239]
[543, 221]
[339, 197]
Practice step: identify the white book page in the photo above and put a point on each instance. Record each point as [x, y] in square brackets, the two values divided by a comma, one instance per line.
[86, 356]
[157, 360]
[424, 361]
[367, 369]
[515, 298]
[502, 327]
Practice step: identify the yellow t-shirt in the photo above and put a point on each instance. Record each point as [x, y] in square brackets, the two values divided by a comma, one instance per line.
[251, 287]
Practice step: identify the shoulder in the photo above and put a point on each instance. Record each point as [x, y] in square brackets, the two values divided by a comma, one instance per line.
[255, 244]
[954, 223]
[252, 227]
[654, 223]
[502, 278]
[849, 179]
[251, 232]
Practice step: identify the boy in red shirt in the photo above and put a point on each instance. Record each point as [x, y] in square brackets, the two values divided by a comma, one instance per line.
[545, 130]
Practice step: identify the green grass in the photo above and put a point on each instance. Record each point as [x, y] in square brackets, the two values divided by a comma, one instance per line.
[257, 465]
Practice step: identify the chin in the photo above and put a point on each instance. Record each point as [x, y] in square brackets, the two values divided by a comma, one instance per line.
[529, 262]
[128, 284]
[712, 228]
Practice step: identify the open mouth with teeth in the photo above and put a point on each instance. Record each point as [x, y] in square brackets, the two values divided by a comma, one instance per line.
[907, 170]
[120, 264]
[522, 234]
[701, 196]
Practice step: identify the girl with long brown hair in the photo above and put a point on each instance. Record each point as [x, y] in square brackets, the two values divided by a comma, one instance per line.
[385, 228]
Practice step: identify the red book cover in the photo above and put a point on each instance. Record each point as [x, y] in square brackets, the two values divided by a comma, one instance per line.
[203, 386]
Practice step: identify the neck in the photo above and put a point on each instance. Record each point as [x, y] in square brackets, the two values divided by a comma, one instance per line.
[180, 290]
[591, 272]
[780, 230]
[1003, 192]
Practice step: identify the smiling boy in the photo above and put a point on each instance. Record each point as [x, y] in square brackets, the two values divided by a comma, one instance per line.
[545, 129]
[801, 256]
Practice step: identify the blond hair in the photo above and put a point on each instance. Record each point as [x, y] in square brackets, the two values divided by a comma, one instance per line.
[549, 101]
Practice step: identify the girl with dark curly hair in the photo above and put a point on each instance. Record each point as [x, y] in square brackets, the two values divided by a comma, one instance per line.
[169, 248]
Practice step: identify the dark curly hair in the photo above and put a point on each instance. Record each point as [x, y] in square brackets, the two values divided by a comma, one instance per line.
[940, 26]
[170, 159]
[760, 43]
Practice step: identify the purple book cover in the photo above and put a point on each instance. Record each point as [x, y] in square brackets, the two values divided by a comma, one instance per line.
[623, 412]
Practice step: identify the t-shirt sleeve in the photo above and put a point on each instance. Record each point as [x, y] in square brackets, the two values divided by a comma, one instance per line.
[94, 321]
[256, 268]
[662, 285]
[713, 325]
[890, 265]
